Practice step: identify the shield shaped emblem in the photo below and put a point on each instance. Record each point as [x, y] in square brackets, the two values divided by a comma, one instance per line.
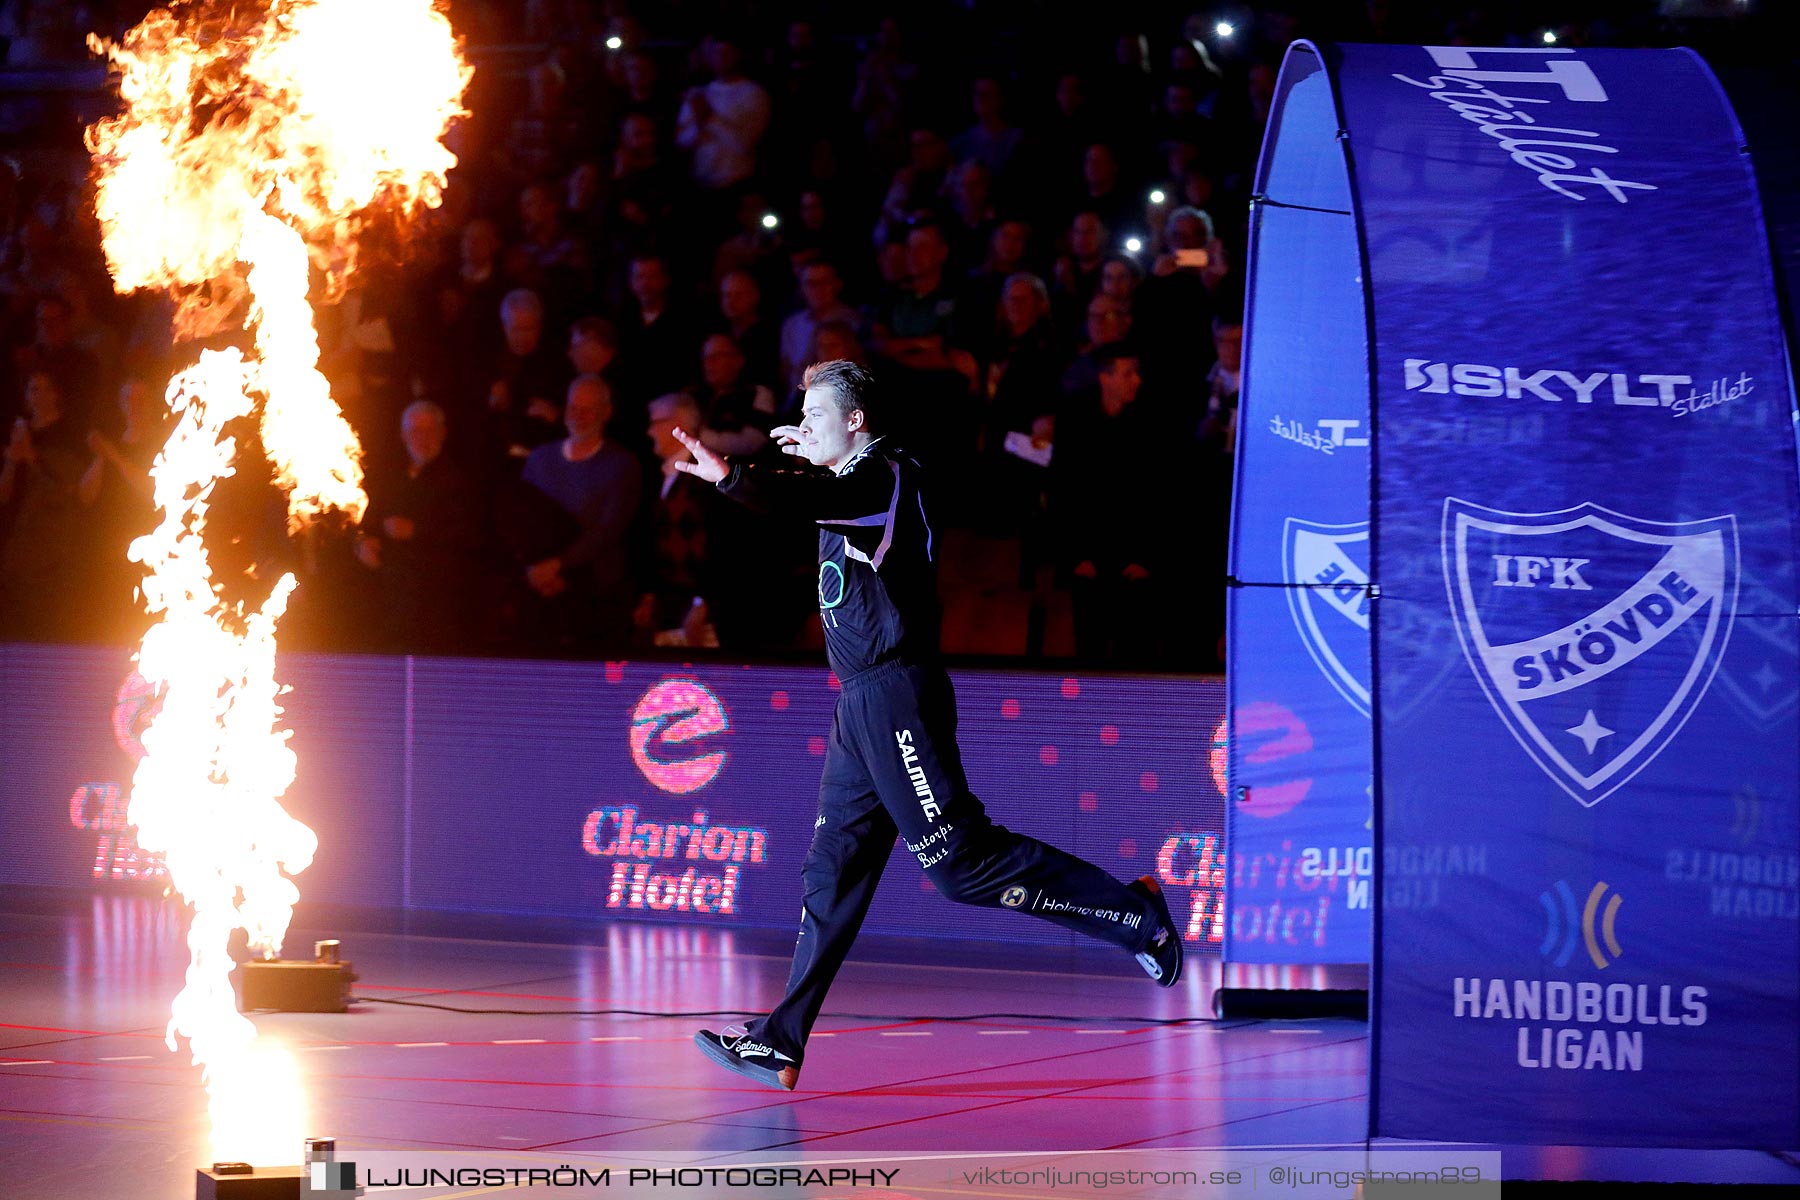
[1328, 568]
[1594, 634]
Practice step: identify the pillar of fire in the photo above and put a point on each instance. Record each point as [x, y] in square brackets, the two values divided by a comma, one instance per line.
[250, 149]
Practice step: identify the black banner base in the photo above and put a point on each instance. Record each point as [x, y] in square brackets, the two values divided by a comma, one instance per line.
[223, 1182]
[1290, 1004]
[290, 986]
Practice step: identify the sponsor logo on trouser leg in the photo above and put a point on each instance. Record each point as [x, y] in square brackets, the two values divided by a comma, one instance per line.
[1049, 904]
[909, 762]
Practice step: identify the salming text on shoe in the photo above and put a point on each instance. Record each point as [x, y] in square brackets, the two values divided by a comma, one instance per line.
[1161, 959]
[736, 1050]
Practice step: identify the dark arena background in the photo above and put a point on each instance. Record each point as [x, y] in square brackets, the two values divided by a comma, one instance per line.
[561, 749]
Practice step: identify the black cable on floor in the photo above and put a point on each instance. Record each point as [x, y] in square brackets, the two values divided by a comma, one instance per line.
[639, 1012]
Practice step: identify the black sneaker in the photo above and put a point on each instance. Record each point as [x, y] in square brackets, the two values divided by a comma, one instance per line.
[1161, 959]
[736, 1050]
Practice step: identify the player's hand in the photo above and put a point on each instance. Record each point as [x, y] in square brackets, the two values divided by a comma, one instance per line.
[1085, 569]
[693, 626]
[965, 365]
[399, 528]
[545, 577]
[1135, 573]
[19, 448]
[787, 437]
[706, 465]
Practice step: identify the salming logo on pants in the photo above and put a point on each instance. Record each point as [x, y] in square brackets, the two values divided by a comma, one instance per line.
[909, 758]
[892, 767]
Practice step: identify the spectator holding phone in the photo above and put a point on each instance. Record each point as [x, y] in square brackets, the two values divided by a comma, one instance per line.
[1177, 297]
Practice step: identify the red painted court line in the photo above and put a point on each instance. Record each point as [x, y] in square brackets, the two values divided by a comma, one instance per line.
[877, 1092]
[1076, 1093]
[1282, 1112]
[874, 1028]
[445, 1043]
[874, 1092]
[173, 1061]
[484, 1042]
[133, 968]
[558, 1042]
[682, 1037]
[82, 1032]
[425, 991]
[571, 1084]
[369, 987]
[998, 1090]
[83, 1116]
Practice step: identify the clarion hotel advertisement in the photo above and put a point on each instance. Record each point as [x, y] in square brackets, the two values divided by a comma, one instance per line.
[664, 792]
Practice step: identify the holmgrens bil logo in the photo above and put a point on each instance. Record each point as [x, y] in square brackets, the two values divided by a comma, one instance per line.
[1330, 600]
[1595, 635]
[668, 732]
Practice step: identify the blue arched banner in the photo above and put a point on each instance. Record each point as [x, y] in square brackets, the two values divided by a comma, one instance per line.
[1301, 869]
[1578, 537]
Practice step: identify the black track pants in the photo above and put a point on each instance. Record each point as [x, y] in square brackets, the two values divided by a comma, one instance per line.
[892, 766]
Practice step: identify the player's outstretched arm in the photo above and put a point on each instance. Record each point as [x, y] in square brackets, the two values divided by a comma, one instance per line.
[707, 465]
[861, 497]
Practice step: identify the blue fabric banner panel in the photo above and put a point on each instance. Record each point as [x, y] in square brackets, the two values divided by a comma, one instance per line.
[1302, 861]
[1302, 867]
[1583, 539]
